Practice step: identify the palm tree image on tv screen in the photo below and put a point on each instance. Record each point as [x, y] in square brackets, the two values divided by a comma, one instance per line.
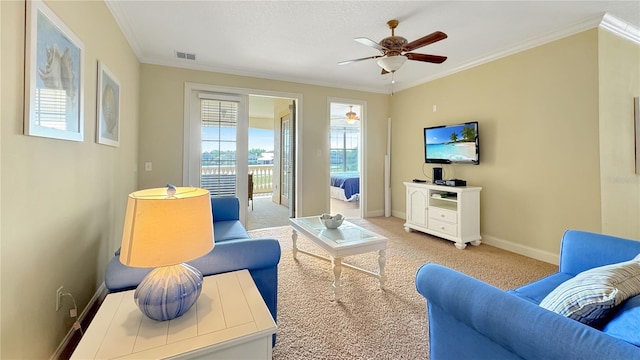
[451, 144]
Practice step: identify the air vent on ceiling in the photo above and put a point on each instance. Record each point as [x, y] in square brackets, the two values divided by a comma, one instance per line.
[184, 55]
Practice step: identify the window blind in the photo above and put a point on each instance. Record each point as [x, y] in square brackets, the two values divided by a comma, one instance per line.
[51, 108]
[219, 121]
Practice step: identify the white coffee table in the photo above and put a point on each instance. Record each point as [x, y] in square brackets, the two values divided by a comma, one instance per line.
[229, 321]
[347, 240]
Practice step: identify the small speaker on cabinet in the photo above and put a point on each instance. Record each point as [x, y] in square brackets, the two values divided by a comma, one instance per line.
[437, 174]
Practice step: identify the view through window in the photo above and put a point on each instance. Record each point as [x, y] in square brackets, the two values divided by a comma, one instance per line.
[218, 161]
[344, 148]
[219, 149]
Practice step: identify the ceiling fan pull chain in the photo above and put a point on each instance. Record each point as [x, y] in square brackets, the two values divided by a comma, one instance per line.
[393, 81]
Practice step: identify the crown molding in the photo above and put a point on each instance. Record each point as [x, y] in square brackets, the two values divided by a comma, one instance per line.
[123, 23]
[606, 21]
[620, 28]
[186, 64]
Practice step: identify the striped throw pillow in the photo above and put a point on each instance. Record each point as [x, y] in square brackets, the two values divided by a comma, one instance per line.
[590, 295]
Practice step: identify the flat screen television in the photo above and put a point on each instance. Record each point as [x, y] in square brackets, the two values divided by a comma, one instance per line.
[452, 144]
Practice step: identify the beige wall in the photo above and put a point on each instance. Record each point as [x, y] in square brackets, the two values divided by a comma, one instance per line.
[261, 123]
[619, 70]
[62, 201]
[538, 124]
[161, 130]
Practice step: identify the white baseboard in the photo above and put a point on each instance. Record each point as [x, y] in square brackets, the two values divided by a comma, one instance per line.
[97, 297]
[522, 249]
[545, 256]
[376, 213]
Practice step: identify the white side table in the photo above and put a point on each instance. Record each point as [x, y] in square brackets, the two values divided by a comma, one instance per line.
[229, 321]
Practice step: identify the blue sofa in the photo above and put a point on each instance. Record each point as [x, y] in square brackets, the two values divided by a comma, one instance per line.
[234, 250]
[469, 319]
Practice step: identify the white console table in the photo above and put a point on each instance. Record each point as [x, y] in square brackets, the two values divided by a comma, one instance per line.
[229, 321]
[452, 213]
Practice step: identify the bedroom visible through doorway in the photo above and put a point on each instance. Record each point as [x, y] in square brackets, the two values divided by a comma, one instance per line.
[345, 162]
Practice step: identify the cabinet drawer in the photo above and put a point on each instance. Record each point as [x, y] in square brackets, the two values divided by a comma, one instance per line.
[443, 227]
[444, 215]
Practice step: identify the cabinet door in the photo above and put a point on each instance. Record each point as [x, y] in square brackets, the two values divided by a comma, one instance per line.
[417, 206]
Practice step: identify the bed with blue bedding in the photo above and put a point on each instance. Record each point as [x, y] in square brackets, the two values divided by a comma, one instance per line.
[345, 186]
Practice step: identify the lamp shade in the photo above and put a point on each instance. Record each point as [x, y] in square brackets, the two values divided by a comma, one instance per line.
[162, 230]
[392, 63]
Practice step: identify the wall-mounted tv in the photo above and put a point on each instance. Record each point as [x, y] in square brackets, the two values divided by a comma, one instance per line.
[452, 144]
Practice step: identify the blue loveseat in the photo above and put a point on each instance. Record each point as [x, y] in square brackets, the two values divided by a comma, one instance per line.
[469, 319]
[234, 250]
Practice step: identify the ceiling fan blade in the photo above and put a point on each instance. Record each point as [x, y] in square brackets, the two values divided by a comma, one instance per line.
[437, 59]
[369, 42]
[425, 40]
[355, 60]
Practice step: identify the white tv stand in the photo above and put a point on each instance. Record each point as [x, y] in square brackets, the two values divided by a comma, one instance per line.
[452, 213]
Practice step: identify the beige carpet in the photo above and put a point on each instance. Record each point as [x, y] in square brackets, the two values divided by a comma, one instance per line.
[369, 323]
[266, 214]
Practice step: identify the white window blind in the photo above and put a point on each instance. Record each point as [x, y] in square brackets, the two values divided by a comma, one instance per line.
[219, 120]
[51, 108]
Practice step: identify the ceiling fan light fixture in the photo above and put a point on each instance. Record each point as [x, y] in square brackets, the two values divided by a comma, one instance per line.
[392, 63]
[352, 117]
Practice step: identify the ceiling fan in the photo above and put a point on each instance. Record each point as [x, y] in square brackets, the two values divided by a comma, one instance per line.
[396, 49]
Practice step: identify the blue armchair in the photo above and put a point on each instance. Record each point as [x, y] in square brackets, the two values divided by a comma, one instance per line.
[469, 319]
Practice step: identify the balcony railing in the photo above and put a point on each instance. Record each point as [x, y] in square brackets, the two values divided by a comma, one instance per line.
[221, 179]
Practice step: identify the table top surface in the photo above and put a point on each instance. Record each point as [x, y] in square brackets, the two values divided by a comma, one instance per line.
[229, 310]
[346, 236]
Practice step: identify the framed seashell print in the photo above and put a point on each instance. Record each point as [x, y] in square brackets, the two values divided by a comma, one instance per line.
[108, 114]
[54, 68]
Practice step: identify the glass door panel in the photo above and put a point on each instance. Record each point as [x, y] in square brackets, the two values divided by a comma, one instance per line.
[219, 120]
[286, 161]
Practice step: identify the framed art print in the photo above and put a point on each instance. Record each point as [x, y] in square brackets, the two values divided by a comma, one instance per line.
[54, 66]
[108, 114]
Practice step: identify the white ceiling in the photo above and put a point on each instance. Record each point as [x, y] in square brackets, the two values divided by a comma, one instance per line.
[303, 41]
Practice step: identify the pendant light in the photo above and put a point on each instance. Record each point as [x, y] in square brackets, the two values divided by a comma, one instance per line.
[352, 117]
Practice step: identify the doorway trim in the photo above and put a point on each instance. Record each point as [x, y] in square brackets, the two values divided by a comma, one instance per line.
[190, 87]
[362, 153]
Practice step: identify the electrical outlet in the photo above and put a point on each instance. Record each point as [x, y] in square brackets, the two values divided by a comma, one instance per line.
[59, 298]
